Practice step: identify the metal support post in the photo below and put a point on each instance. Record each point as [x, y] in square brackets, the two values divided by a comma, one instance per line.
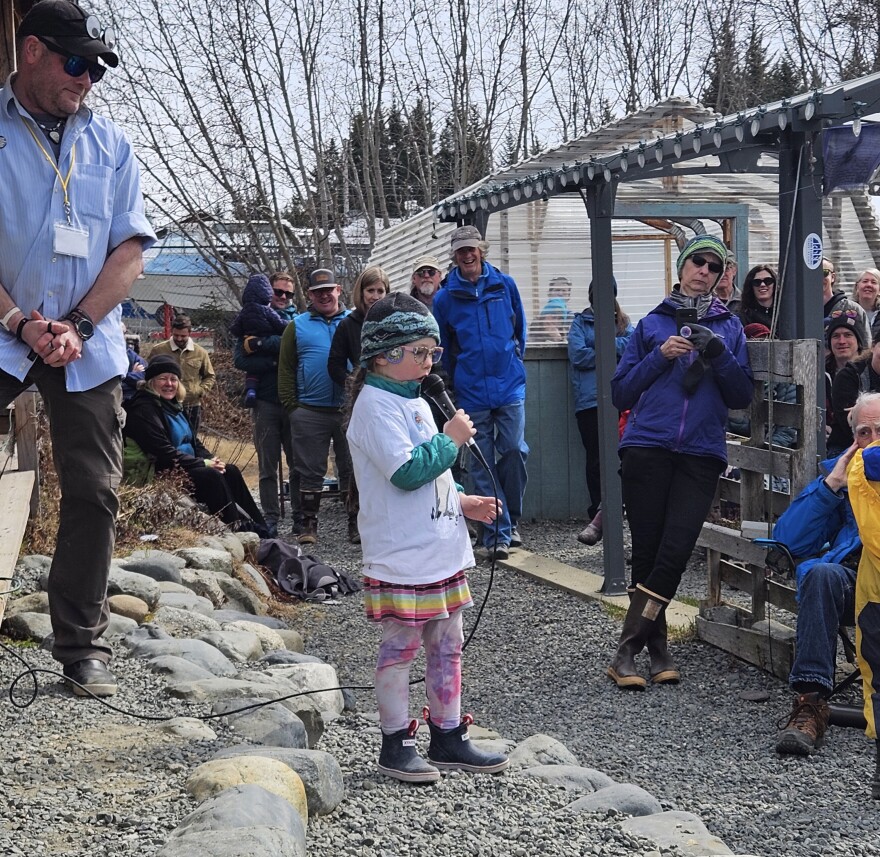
[600, 207]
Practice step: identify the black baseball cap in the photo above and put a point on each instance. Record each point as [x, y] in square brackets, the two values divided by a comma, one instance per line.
[71, 28]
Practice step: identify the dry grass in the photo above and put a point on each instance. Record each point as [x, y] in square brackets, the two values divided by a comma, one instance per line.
[162, 509]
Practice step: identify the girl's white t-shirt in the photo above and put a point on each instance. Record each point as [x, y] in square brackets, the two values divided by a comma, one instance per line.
[409, 537]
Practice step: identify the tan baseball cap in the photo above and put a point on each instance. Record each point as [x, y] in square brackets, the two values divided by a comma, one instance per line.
[427, 262]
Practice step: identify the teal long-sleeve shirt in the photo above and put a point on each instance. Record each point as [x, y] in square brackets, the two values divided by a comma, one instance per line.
[429, 459]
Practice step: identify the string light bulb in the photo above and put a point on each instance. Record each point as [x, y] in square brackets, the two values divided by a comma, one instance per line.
[698, 139]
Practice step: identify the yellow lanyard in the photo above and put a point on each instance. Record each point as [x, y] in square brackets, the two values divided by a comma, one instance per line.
[65, 180]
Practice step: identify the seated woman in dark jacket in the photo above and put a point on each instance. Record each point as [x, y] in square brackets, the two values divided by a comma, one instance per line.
[157, 424]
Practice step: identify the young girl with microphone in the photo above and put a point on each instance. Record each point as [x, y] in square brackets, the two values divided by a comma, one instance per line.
[414, 539]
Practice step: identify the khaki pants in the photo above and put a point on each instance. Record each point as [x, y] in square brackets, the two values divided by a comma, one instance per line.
[86, 432]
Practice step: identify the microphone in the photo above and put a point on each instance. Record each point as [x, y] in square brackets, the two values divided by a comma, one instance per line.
[434, 389]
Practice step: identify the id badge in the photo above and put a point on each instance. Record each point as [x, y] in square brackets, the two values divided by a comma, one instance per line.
[71, 241]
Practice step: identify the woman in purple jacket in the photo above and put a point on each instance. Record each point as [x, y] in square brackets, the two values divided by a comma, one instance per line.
[684, 367]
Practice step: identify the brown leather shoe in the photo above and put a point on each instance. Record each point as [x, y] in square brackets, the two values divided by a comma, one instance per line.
[804, 732]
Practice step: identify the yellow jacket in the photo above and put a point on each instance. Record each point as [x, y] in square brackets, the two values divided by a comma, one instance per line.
[864, 495]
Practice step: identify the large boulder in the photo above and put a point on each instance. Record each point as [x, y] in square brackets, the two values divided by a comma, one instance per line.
[242, 806]
[243, 842]
[219, 561]
[36, 602]
[237, 593]
[213, 777]
[541, 750]
[204, 583]
[129, 606]
[196, 651]
[188, 601]
[184, 623]
[272, 724]
[157, 565]
[122, 582]
[269, 639]
[319, 771]
[239, 646]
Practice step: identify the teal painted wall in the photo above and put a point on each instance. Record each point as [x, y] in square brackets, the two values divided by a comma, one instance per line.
[557, 488]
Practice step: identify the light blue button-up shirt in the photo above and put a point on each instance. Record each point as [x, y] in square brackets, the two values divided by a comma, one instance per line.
[105, 199]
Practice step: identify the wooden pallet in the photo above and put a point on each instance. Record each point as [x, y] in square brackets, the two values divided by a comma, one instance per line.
[737, 561]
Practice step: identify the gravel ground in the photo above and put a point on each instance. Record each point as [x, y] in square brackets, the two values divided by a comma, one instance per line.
[80, 780]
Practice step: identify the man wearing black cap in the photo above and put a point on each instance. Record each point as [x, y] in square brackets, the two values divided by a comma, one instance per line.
[313, 400]
[72, 236]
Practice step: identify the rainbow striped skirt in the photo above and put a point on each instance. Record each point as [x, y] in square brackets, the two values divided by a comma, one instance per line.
[416, 604]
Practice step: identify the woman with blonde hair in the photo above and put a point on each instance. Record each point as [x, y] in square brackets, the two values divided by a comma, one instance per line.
[345, 351]
[866, 293]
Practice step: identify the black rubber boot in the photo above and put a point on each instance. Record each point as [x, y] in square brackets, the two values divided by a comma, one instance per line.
[663, 669]
[451, 750]
[645, 608]
[310, 503]
[400, 759]
[875, 783]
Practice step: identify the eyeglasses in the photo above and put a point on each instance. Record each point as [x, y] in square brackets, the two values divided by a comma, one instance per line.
[426, 272]
[700, 261]
[827, 272]
[763, 281]
[280, 293]
[421, 352]
[76, 66]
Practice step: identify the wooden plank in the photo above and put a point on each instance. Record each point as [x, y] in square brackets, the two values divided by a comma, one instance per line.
[730, 543]
[768, 652]
[25, 415]
[15, 492]
[760, 459]
[743, 579]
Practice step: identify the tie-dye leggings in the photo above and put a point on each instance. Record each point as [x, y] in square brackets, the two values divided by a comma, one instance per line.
[400, 644]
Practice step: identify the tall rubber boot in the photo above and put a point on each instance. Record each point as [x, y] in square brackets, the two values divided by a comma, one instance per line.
[663, 669]
[451, 750]
[310, 503]
[400, 759]
[645, 609]
[875, 783]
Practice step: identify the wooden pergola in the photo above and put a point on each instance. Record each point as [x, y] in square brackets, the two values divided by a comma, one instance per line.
[791, 130]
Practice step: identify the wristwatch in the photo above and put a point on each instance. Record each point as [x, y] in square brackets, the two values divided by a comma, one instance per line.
[82, 324]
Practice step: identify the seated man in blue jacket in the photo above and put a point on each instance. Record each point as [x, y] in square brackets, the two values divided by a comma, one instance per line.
[820, 524]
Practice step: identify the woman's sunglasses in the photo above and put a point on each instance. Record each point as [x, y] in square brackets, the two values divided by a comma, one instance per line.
[714, 267]
[763, 281]
[76, 66]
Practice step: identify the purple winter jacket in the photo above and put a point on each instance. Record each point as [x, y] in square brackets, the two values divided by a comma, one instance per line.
[663, 414]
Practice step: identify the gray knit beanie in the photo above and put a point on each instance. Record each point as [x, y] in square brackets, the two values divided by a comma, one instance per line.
[395, 320]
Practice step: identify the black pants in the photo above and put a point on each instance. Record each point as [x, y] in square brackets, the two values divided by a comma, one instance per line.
[667, 496]
[588, 425]
[222, 492]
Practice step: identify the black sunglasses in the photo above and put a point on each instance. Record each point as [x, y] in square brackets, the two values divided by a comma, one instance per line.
[763, 281]
[76, 66]
[280, 293]
[714, 267]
